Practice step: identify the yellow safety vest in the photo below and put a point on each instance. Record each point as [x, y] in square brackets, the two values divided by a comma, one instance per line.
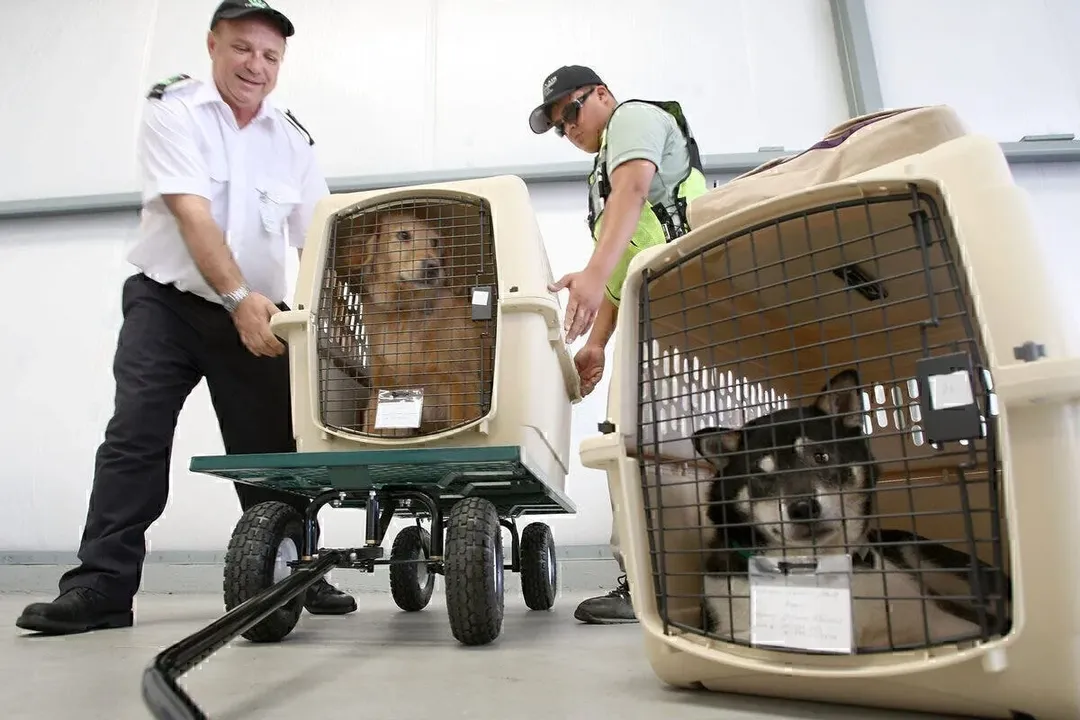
[656, 225]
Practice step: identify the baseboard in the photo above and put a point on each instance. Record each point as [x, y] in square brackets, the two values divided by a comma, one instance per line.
[582, 568]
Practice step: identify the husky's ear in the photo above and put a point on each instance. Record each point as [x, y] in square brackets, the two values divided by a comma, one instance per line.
[714, 444]
[840, 396]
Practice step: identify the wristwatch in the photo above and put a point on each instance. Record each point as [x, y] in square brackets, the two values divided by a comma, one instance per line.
[232, 300]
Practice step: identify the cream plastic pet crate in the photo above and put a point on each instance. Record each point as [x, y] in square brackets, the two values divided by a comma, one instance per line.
[423, 319]
[920, 273]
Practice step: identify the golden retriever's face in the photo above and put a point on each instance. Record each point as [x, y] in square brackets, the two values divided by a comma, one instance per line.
[402, 254]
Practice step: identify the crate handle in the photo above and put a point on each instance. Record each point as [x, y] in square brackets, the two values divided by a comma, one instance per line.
[282, 321]
[548, 306]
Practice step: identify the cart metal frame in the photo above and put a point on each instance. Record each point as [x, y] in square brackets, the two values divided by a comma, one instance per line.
[465, 493]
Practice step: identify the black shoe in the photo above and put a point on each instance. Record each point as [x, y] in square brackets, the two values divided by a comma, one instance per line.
[611, 609]
[325, 599]
[78, 610]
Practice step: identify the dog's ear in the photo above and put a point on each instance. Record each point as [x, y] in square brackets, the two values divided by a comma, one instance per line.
[840, 396]
[355, 250]
[714, 445]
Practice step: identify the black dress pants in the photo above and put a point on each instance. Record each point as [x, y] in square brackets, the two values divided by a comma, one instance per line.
[169, 341]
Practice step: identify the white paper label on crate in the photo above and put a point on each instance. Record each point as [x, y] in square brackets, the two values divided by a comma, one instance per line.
[399, 409]
[951, 391]
[802, 603]
[480, 297]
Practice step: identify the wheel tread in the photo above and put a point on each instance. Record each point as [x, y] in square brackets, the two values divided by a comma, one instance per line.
[539, 594]
[249, 565]
[473, 601]
[404, 578]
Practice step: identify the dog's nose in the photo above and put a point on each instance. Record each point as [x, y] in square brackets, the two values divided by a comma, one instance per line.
[431, 269]
[804, 510]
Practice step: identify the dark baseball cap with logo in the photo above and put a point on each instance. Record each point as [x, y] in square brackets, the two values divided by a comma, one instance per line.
[558, 85]
[232, 9]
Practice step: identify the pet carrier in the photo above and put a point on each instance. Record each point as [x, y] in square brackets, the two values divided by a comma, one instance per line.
[841, 442]
[423, 318]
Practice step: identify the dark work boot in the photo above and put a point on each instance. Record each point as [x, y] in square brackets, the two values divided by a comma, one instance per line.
[610, 609]
[325, 599]
[78, 610]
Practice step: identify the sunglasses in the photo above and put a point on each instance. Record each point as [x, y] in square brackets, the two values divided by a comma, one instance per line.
[570, 112]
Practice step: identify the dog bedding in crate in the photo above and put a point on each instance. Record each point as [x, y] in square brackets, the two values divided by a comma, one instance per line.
[408, 296]
[824, 371]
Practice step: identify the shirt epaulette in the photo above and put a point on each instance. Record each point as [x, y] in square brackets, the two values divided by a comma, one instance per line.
[299, 128]
[176, 81]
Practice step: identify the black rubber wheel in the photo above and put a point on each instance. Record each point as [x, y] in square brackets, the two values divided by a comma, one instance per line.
[474, 571]
[411, 583]
[266, 536]
[539, 569]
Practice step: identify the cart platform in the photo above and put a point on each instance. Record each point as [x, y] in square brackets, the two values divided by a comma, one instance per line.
[501, 474]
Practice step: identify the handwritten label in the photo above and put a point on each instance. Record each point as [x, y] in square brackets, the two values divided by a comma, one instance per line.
[808, 608]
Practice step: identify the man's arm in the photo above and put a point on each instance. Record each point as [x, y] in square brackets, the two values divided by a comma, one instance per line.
[205, 242]
[604, 324]
[636, 138]
[174, 168]
[629, 190]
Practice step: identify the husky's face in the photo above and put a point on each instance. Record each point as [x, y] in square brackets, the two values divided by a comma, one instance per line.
[797, 478]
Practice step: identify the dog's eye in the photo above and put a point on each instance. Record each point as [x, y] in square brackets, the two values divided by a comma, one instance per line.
[404, 235]
[821, 457]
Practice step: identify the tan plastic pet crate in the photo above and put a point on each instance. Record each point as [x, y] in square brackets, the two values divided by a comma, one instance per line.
[906, 310]
[423, 319]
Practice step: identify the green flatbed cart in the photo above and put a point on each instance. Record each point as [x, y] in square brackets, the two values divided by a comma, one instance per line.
[466, 495]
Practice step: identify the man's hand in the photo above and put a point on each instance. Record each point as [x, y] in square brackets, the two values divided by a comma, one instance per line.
[252, 320]
[586, 293]
[590, 367]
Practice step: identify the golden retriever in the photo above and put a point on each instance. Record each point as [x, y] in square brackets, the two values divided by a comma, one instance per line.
[419, 328]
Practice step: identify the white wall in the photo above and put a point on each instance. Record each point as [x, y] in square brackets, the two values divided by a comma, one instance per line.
[1010, 67]
[411, 85]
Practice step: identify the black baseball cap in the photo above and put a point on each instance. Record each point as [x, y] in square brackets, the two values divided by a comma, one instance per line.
[232, 9]
[556, 86]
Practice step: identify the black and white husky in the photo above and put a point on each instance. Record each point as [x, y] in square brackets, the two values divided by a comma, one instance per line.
[798, 482]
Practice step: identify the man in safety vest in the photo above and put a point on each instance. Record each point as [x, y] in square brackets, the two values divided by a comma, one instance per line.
[647, 168]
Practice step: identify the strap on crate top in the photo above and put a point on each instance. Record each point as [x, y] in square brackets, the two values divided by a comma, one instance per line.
[660, 222]
[168, 84]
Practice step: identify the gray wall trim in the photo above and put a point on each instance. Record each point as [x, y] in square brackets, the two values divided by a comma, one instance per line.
[587, 569]
[726, 164]
[211, 557]
[856, 49]
[1028, 151]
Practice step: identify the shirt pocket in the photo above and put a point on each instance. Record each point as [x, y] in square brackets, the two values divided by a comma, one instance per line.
[277, 199]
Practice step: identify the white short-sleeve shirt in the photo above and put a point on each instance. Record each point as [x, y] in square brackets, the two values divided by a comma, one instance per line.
[262, 181]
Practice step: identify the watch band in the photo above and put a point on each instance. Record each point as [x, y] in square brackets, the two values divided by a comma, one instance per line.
[231, 300]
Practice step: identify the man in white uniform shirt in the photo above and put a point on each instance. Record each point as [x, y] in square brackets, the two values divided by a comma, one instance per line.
[229, 181]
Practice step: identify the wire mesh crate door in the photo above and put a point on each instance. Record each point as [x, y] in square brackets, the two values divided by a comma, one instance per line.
[408, 316]
[816, 385]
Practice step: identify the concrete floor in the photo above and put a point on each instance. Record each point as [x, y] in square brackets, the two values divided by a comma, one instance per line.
[376, 663]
